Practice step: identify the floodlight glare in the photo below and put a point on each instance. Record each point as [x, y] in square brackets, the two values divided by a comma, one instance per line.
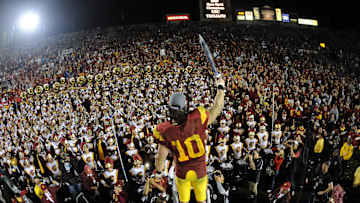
[29, 21]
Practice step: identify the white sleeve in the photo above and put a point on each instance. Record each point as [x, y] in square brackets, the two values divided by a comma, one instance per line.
[221, 189]
[171, 173]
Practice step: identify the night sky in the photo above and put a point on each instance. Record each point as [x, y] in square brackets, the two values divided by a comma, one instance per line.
[61, 16]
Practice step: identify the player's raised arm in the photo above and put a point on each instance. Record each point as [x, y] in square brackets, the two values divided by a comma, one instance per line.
[216, 109]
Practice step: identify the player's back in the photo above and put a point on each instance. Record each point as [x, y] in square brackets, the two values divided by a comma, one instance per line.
[186, 141]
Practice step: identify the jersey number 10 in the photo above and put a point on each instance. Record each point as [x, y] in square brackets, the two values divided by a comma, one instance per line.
[189, 148]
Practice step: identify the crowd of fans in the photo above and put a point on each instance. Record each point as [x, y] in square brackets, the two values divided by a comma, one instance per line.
[289, 109]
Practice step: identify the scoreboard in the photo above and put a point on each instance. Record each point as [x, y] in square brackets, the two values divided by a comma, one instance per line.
[215, 10]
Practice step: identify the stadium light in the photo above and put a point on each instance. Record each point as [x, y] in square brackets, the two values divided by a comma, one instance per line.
[29, 21]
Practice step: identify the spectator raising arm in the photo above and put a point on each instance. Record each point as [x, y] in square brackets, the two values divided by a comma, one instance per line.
[219, 178]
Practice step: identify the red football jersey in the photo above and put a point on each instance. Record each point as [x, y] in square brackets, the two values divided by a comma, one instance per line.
[186, 141]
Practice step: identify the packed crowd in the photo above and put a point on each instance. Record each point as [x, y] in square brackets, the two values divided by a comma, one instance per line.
[288, 110]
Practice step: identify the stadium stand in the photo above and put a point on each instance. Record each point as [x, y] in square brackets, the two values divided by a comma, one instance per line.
[78, 111]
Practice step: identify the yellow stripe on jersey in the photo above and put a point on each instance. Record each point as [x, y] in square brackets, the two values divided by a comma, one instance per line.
[203, 114]
[157, 135]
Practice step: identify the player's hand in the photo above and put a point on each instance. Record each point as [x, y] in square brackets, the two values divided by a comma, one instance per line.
[152, 181]
[219, 81]
[320, 193]
[355, 185]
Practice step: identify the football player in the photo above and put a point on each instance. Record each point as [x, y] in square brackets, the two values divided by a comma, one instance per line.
[184, 134]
